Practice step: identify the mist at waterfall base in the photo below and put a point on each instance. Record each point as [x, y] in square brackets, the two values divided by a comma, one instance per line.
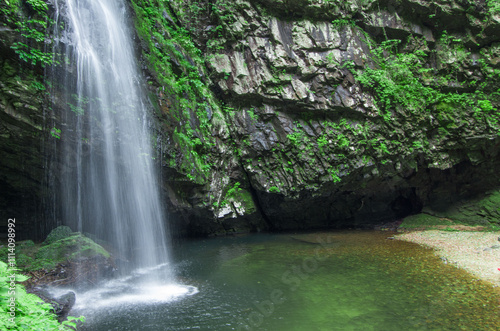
[109, 182]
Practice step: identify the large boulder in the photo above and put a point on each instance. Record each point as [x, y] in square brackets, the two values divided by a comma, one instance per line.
[64, 258]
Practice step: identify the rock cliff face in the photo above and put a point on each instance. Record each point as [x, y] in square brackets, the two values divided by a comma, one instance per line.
[24, 120]
[343, 113]
[281, 115]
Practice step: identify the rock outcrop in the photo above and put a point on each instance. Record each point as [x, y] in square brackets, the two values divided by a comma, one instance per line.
[64, 258]
[337, 113]
[27, 128]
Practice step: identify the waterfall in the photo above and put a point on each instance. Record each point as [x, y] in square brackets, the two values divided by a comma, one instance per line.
[109, 181]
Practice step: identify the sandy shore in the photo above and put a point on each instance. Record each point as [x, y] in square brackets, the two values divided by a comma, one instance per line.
[476, 252]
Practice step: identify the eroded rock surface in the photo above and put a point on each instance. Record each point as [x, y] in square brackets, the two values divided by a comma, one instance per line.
[346, 113]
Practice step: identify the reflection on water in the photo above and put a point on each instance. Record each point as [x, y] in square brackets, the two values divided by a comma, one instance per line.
[351, 280]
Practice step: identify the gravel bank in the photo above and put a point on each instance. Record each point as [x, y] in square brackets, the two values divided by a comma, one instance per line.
[476, 252]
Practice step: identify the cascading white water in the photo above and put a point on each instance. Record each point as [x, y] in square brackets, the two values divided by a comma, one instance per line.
[109, 183]
[109, 188]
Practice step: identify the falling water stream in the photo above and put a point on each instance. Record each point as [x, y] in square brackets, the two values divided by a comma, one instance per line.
[109, 181]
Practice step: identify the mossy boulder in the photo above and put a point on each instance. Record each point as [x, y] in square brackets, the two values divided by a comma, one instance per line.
[74, 259]
[64, 258]
[58, 233]
[488, 207]
[69, 249]
[25, 244]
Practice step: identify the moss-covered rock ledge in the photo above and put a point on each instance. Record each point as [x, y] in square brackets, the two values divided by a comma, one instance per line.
[64, 258]
[481, 213]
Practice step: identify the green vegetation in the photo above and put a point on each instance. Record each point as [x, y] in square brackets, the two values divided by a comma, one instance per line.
[428, 222]
[493, 7]
[231, 194]
[421, 221]
[31, 313]
[59, 247]
[403, 83]
[274, 189]
[239, 197]
[484, 211]
[33, 29]
[341, 22]
[56, 133]
[335, 172]
[71, 248]
[339, 139]
[187, 104]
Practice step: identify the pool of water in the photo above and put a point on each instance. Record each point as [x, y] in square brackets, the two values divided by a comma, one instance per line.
[351, 280]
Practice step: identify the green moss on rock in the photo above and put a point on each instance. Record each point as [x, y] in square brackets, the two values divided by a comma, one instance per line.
[423, 221]
[70, 247]
[483, 210]
[74, 247]
[58, 233]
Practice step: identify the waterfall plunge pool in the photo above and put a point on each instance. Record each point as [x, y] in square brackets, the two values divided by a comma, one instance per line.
[348, 280]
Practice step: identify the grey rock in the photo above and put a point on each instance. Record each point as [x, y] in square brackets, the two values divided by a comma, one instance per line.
[61, 305]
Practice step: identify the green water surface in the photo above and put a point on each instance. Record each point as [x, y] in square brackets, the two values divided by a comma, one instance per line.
[352, 280]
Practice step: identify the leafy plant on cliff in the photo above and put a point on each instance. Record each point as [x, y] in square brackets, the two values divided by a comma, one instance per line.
[274, 189]
[493, 7]
[32, 29]
[178, 66]
[403, 83]
[341, 22]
